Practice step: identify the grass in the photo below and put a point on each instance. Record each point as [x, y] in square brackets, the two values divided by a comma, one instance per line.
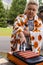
[5, 31]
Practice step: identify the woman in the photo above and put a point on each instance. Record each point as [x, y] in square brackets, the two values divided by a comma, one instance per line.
[23, 24]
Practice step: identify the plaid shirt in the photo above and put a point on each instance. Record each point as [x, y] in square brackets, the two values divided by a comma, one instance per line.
[20, 24]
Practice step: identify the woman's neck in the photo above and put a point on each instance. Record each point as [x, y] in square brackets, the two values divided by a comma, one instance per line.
[30, 18]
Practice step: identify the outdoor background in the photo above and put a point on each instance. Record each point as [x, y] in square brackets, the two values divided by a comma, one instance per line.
[9, 9]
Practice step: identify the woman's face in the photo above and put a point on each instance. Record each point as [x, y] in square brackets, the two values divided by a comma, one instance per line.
[31, 10]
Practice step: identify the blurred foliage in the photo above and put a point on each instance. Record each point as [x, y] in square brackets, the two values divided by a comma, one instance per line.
[2, 11]
[3, 24]
[2, 15]
[17, 7]
[40, 2]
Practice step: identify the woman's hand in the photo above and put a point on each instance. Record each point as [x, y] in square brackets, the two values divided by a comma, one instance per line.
[22, 36]
[26, 33]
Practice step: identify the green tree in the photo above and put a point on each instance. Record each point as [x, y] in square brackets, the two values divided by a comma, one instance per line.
[3, 22]
[16, 9]
[2, 11]
[40, 2]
